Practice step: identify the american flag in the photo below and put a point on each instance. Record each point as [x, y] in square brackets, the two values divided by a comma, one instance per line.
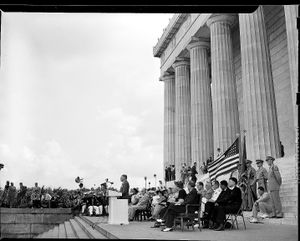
[225, 163]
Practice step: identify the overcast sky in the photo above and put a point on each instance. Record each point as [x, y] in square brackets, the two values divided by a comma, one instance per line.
[80, 96]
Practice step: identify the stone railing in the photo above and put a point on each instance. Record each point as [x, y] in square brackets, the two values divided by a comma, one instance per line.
[168, 33]
[28, 223]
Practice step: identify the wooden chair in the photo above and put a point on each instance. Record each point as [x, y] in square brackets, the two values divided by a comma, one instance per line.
[190, 216]
[146, 213]
[233, 217]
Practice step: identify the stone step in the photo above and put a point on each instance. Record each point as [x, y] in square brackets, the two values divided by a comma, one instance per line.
[91, 232]
[290, 209]
[293, 198]
[291, 215]
[47, 234]
[289, 203]
[289, 184]
[78, 230]
[62, 231]
[289, 189]
[69, 230]
[55, 232]
[282, 221]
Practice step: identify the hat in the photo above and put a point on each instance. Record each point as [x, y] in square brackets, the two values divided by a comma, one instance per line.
[179, 184]
[248, 161]
[270, 158]
[259, 160]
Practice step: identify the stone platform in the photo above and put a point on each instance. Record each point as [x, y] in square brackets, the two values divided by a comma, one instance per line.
[27, 222]
[84, 227]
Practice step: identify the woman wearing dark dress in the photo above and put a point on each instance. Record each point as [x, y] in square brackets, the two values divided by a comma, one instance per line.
[180, 195]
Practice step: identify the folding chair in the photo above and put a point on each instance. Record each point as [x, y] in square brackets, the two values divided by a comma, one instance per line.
[233, 217]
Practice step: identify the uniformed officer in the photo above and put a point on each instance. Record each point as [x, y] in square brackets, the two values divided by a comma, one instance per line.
[274, 183]
[251, 184]
[261, 175]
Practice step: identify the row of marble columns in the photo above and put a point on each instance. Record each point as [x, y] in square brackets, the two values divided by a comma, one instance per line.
[200, 117]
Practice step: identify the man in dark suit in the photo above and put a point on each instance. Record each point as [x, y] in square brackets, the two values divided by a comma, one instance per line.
[176, 208]
[229, 204]
[124, 187]
[166, 174]
[169, 170]
[194, 172]
[209, 206]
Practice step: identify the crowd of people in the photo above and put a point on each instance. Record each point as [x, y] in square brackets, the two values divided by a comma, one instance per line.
[164, 204]
[41, 197]
[217, 198]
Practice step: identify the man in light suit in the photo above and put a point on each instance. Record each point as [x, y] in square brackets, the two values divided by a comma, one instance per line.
[274, 183]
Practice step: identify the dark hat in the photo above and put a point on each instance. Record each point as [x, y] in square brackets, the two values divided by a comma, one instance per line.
[179, 184]
[134, 189]
[270, 158]
[248, 161]
[259, 160]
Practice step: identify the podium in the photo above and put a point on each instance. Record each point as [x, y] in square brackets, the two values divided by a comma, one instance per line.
[118, 209]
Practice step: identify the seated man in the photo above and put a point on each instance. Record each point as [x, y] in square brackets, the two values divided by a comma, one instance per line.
[96, 206]
[207, 195]
[141, 205]
[46, 199]
[85, 203]
[231, 204]
[200, 188]
[76, 204]
[263, 204]
[177, 208]
[209, 206]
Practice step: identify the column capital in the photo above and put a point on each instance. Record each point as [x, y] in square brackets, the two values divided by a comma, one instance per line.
[181, 61]
[227, 18]
[198, 42]
[167, 76]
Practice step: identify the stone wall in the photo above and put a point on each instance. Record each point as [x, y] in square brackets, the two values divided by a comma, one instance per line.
[27, 223]
[276, 33]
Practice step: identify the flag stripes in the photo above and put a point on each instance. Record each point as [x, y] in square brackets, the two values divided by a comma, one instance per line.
[226, 162]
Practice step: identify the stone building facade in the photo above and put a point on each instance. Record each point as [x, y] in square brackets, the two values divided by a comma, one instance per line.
[226, 73]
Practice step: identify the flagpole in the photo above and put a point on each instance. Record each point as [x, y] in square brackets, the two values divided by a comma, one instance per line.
[243, 165]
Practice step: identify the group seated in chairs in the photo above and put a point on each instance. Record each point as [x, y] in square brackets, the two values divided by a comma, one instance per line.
[197, 209]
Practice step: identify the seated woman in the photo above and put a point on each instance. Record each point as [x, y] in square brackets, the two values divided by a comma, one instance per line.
[134, 199]
[158, 204]
[179, 207]
[179, 194]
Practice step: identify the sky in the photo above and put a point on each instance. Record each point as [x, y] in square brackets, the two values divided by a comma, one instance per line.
[80, 96]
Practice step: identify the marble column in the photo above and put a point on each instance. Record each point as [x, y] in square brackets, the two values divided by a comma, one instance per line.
[224, 96]
[201, 104]
[169, 119]
[291, 14]
[258, 89]
[182, 114]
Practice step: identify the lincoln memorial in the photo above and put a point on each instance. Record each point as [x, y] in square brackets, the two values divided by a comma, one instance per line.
[226, 73]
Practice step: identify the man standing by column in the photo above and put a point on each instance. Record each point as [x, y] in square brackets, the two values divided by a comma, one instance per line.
[261, 175]
[274, 183]
[194, 172]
